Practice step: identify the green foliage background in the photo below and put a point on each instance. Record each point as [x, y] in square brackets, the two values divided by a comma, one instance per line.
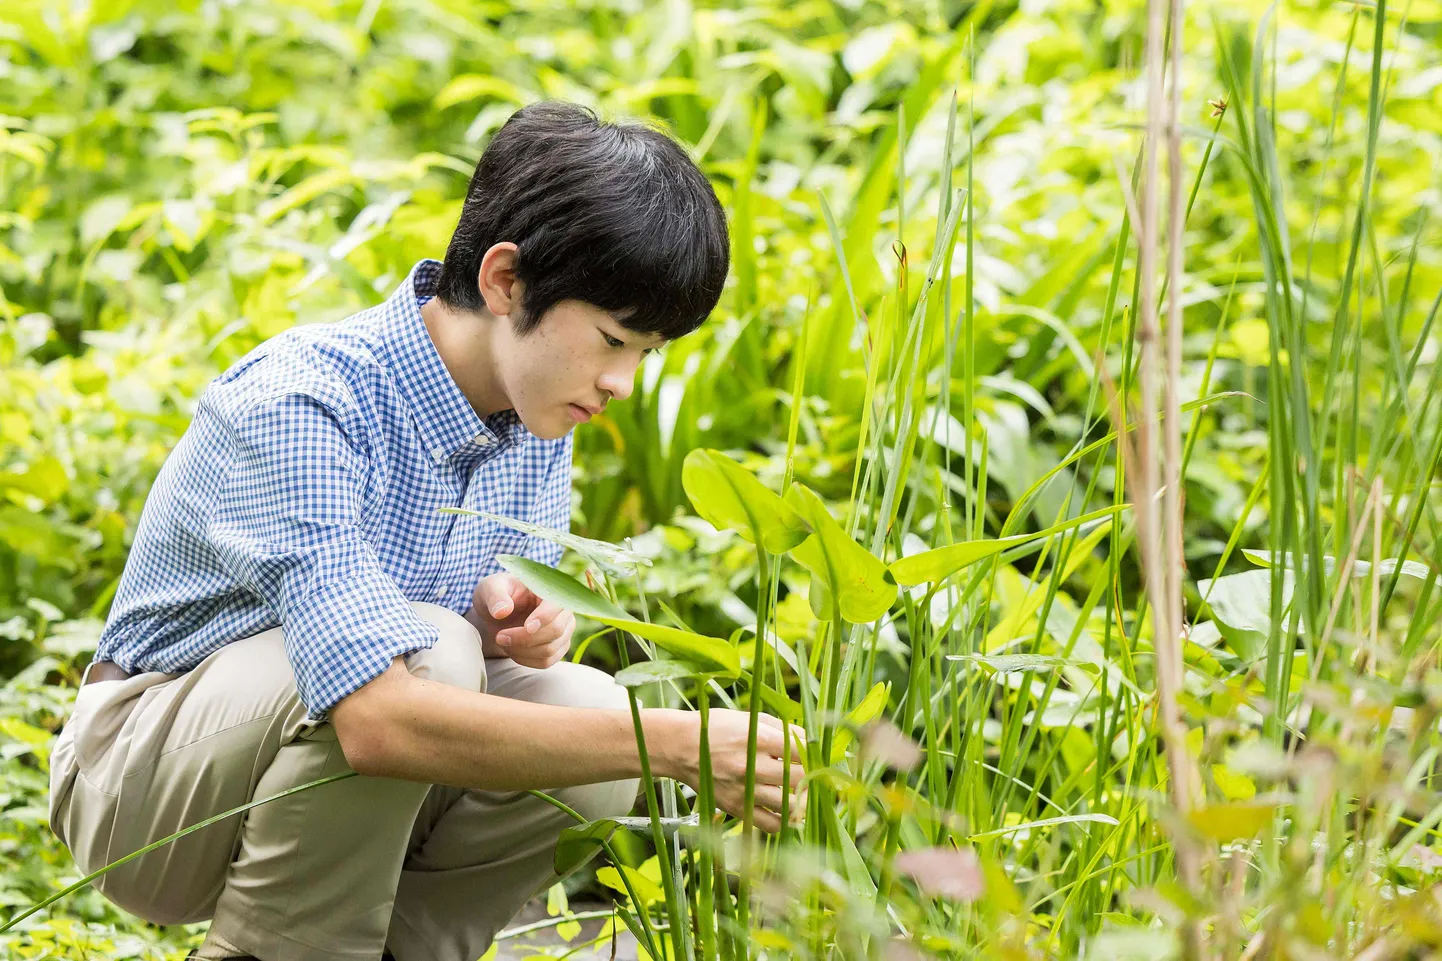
[181, 181]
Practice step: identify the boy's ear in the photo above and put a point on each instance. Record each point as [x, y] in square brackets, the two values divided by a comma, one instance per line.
[497, 281]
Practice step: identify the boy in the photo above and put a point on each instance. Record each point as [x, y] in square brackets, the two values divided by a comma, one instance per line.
[295, 605]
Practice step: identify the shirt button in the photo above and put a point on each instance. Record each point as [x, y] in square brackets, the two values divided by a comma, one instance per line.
[442, 592]
[439, 454]
[482, 440]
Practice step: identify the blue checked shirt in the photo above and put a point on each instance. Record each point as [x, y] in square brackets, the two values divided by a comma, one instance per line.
[305, 494]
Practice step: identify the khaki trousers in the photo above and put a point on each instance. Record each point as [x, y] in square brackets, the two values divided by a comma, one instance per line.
[343, 871]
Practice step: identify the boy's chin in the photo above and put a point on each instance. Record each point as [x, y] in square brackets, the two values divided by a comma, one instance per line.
[554, 429]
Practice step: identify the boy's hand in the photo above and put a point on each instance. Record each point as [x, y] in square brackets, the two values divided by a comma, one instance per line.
[515, 623]
[728, 735]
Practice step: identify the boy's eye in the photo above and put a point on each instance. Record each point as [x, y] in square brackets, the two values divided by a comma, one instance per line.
[614, 342]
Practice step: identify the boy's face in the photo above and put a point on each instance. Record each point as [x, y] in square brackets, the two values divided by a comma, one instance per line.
[569, 367]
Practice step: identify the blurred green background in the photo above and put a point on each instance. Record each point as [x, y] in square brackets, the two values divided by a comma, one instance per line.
[179, 181]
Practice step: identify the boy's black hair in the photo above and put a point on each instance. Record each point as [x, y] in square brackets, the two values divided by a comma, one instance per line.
[615, 215]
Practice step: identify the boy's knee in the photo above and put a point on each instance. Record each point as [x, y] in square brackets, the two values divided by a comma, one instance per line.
[456, 657]
[606, 799]
[588, 687]
[585, 686]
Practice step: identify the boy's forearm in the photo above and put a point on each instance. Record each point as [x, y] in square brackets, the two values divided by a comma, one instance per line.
[421, 730]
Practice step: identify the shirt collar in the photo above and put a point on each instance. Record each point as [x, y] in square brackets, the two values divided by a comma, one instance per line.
[444, 418]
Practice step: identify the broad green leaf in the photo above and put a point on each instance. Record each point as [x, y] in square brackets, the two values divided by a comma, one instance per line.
[850, 572]
[547, 582]
[580, 843]
[712, 653]
[1231, 820]
[647, 890]
[649, 672]
[1234, 785]
[730, 497]
[1241, 606]
[938, 564]
[45, 479]
[780, 705]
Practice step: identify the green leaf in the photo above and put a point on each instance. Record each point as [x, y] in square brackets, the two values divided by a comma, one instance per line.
[1234, 819]
[712, 653]
[649, 672]
[45, 479]
[579, 843]
[848, 571]
[545, 581]
[1241, 606]
[858, 717]
[1360, 568]
[941, 563]
[472, 86]
[730, 497]
[647, 890]
[782, 706]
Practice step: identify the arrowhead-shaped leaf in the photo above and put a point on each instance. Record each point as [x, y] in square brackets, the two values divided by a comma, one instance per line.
[730, 497]
[849, 572]
[579, 844]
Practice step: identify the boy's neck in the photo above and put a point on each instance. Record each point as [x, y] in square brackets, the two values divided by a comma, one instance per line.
[463, 339]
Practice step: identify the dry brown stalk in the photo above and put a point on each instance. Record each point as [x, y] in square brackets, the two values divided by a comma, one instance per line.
[1161, 543]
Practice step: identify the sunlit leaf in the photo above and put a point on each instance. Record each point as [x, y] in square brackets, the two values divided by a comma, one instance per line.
[713, 653]
[861, 715]
[1241, 605]
[650, 672]
[848, 571]
[730, 497]
[1231, 820]
[1360, 568]
[938, 564]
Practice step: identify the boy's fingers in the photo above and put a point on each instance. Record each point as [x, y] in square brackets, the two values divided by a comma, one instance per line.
[766, 820]
[496, 593]
[522, 596]
[546, 613]
[544, 648]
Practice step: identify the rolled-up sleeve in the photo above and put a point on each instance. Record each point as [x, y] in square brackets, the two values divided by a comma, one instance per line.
[285, 524]
[553, 505]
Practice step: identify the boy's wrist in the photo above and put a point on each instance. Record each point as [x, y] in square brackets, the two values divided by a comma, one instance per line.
[672, 742]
